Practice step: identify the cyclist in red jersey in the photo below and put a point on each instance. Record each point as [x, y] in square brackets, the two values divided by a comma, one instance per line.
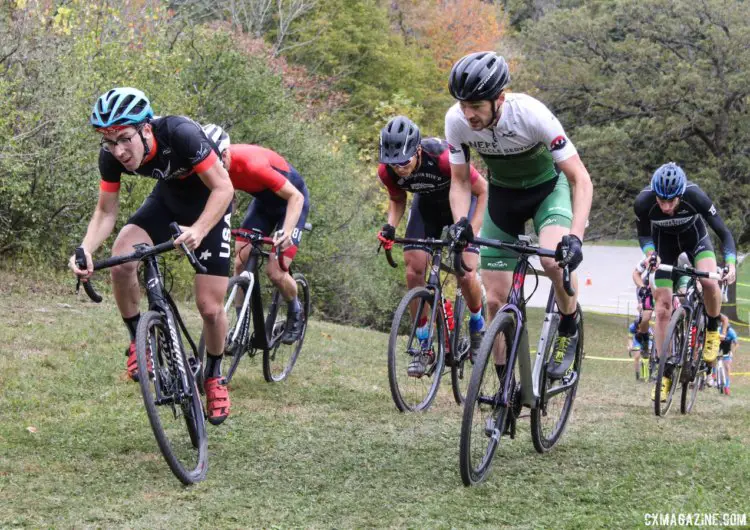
[410, 163]
[192, 189]
[280, 209]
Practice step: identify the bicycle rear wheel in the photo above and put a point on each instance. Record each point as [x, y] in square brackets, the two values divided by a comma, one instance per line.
[413, 393]
[556, 396]
[462, 363]
[175, 412]
[671, 356]
[279, 360]
[484, 420]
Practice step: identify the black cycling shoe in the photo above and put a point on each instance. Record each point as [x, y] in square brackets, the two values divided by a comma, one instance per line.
[293, 328]
[565, 353]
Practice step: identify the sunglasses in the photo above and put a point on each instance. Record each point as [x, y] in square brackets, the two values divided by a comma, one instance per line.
[402, 164]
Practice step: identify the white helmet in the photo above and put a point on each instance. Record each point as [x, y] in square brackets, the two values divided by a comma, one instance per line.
[217, 135]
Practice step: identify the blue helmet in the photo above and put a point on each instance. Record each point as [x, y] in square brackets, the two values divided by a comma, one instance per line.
[632, 328]
[121, 106]
[669, 181]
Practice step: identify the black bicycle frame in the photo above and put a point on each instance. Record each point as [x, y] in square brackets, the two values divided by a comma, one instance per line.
[259, 340]
[433, 279]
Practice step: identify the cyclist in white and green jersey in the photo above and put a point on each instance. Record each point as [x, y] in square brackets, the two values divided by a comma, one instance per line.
[533, 166]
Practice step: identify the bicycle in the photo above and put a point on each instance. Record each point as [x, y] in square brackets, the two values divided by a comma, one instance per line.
[494, 405]
[167, 373]
[243, 306]
[681, 354]
[447, 343]
[722, 377]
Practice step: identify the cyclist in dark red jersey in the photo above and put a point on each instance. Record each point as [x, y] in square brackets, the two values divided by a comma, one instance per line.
[280, 209]
[192, 189]
[420, 166]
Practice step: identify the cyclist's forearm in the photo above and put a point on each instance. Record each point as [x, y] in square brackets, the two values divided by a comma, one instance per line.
[293, 211]
[100, 227]
[583, 193]
[216, 206]
[460, 193]
[478, 217]
[396, 211]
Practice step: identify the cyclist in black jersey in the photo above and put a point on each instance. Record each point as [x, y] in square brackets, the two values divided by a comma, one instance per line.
[671, 216]
[410, 163]
[192, 188]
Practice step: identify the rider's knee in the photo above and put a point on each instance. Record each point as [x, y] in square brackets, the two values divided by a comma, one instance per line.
[551, 269]
[124, 272]
[414, 275]
[275, 274]
[211, 311]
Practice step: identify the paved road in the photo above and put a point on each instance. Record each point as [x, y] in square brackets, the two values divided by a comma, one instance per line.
[604, 280]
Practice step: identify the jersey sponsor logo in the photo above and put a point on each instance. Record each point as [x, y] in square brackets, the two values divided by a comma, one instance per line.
[421, 186]
[205, 255]
[454, 150]
[167, 151]
[506, 134]
[226, 236]
[201, 154]
[162, 175]
[712, 210]
[674, 222]
[558, 143]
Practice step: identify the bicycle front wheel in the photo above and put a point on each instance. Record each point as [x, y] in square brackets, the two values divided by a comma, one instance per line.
[415, 366]
[556, 396]
[671, 356]
[484, 419]
[279, 359]
[174, 411]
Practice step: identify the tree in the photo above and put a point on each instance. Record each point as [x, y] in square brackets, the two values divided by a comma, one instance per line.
[641, 83]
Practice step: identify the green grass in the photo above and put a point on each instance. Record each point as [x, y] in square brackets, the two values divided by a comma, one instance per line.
[327, 449]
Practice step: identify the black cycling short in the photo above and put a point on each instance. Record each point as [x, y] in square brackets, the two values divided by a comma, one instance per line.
[695, 242]
[428, 218]
[162, 208]
[269, 219]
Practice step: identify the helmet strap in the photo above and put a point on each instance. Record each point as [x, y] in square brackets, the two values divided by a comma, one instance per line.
[146, 150]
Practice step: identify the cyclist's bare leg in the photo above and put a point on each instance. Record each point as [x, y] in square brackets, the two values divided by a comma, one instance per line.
[711, 289]
[416, 265]
[663, 308]
[645, 321]
[469, 282]
[281, 278]
[209, 297]
[241, 253]
[497, 284]
[125, 286]
[549, 237]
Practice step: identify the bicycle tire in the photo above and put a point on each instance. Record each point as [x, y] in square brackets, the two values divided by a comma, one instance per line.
[398, 350]
[460, 350]
[236, 286]
[697, 368]
[152, 337]
[675, 340]
[503, 325]
[544, 442]
[721, 378]
[274, 371]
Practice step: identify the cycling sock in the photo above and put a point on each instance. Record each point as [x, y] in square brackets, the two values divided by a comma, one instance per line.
[713, 323]
[567, 327]
[213, 365]
[132, 324]
[293, 305]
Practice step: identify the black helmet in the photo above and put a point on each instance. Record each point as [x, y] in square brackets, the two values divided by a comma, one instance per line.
[399, 140]
[478, 76]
